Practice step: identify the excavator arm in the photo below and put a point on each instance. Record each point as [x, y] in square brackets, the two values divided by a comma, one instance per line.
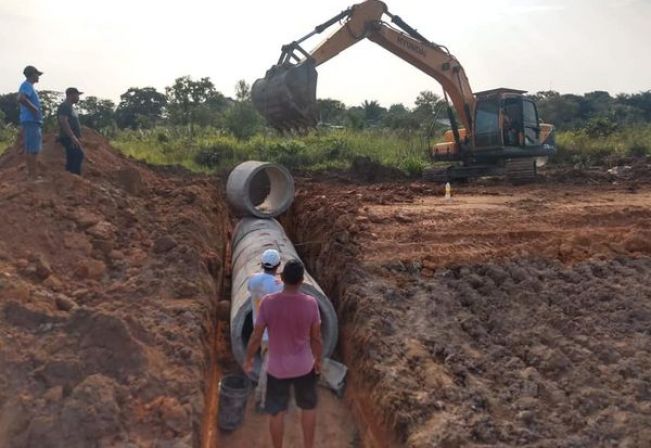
[286, 97]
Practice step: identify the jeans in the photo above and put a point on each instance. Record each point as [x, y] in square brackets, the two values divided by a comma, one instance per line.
[74, 156]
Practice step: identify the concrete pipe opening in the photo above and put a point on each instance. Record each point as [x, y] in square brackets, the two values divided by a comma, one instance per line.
[260, 189]
[251, 237]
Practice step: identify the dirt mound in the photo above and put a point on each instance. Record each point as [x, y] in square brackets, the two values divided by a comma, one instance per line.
[100, 161]
[107, 286]
[504, 317]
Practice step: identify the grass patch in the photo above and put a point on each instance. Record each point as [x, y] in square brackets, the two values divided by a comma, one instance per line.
[326, 149]
[7, 137]
[213, 150]
[585, 148]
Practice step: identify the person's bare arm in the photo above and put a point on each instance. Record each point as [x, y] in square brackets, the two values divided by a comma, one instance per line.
[316, 345]
[65, 125]
[253, 347]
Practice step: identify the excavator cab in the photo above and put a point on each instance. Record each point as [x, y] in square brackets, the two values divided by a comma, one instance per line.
[504, 117]
[506, 125]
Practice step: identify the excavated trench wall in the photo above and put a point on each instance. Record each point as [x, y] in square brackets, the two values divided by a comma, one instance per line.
[323, 234]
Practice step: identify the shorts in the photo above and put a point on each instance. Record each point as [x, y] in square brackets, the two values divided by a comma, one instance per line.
[33, 137]
[277, 397]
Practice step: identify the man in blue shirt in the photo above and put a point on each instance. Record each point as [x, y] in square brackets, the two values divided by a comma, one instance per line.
[31, 119]
[260, 285]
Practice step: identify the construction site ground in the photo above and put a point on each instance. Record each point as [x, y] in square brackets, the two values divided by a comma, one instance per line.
[507, 316]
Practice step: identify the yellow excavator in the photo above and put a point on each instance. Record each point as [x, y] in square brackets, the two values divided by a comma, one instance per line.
[501, 131]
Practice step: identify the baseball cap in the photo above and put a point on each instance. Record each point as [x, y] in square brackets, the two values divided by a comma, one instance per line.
[71, 90]
[270, 258]
[31, 70]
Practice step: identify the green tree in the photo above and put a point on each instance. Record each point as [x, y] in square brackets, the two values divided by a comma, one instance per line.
[50, 101]
[140, 107]
[355, 118]
[428, 104]
[563, 111]
[194, 102]
[399, 117]
[241, 119]
[429, 109]
[598, 104]
[9, 107]
[640, 101]
[242, 91]
[97, 113]
[373, 112]
[332, 111]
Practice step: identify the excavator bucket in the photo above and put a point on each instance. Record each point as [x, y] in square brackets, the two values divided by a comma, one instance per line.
[286, 96]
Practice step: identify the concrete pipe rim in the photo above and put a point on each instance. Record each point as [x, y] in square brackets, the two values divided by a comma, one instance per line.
[281, 189]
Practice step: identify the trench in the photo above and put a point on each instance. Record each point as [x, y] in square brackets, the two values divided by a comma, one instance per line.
[372, 430]
[364, 427]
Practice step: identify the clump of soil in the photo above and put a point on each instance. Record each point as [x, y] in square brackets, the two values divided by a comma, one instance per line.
[107, 286]
[505, 317]
[518, 353]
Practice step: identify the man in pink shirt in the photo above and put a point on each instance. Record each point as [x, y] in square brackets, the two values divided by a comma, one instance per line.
[294, 325]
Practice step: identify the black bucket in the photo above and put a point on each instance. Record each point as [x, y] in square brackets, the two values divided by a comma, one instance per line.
[286, 96]
[233, 394]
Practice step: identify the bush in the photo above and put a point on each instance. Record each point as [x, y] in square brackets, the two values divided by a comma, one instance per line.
[291, 154]
[414, 167]
[213, 155]
[600, 127]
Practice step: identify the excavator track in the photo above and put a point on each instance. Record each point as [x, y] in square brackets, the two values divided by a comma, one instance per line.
[522, 170]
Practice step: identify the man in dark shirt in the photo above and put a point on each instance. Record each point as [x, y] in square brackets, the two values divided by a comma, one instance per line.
[70, 131]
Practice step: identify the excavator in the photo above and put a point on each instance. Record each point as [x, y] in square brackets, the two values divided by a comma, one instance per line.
[500, 132]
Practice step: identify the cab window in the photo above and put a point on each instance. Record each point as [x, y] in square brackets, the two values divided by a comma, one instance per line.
[487, 130]
[531, 127]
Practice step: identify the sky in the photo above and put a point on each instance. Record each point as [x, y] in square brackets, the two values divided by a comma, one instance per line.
[105, 47]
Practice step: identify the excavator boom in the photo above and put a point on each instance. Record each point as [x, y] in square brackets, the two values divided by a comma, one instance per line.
[286, 96]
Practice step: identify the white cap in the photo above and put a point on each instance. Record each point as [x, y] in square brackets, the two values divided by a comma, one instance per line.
[270, 258]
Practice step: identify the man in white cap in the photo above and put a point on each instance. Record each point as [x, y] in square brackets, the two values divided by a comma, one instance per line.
[259, 285]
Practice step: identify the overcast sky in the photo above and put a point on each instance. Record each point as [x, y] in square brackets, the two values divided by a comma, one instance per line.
[572, 46]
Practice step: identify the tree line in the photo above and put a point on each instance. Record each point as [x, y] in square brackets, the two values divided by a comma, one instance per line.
[187, 102]
[197, 103]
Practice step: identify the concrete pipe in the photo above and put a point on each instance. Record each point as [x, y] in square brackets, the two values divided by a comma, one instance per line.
[260, 189]
[251, 237]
